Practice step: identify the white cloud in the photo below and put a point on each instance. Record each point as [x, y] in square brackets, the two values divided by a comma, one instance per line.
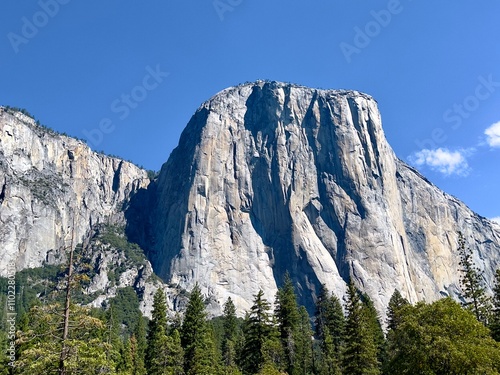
[496, 219]
[443, 160]
[493, 134]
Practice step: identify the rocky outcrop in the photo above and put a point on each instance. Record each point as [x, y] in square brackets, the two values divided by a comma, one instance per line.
[54, 189]
[268, 178]
[271, 178]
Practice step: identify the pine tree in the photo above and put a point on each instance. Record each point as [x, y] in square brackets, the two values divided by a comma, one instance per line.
[287, 316]
[396, 304]
[328, 362]
[175, 364]
[475, 298]
[229, 339]
[304, 353]
[329, 315]
[360, 351]
[495, 319]
[258, 330]
[119, 355]
[196, 338]
[137, 365]
[39, 345]
[126, 361]
[371, 316]
[157, 348]
[330, 325]
[139, 346]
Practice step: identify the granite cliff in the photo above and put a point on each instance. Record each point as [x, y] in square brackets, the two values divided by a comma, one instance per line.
[267, 178]
[271, 178]
[56, 193]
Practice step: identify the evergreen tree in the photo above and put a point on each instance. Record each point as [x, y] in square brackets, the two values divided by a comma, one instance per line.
[230, 336]
[287, 316]
[40, 344]
[157, 344]
[330, 324]
[4, 358]
[119, 355]
[258, 330]
[495, 319]
[139, 346]
[196, 338]
[175, 365]
[373, 321]
[360, 351]
[137, 365]
[328, 362]
[329, 315]
[303, 342]
[125, 364]
[273, 355]
[396, 304]
[475, 298]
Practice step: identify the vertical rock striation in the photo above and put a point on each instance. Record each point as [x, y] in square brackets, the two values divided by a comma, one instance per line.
[271, 178]
[53, 187]
[267, 178]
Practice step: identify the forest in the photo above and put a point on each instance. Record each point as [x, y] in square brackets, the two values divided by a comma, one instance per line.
[274, 337]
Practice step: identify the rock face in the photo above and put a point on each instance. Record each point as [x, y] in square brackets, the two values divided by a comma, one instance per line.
[268, 178]
[51, 183]
[271, 178]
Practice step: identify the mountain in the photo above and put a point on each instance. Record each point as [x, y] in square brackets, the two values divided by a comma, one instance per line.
[267, 178]
[271, 178]
[56, 193]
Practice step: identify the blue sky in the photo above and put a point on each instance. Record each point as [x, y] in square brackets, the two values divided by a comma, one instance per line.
[128, 75]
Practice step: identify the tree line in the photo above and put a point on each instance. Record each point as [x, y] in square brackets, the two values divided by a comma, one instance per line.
[443, 337]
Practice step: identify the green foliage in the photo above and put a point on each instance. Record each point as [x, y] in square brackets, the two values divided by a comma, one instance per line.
[441, 338]
[328, 362]
[35, 285]
[303, 343]
[232, 335]
[396, 304]
[24, 111]
[360, 350]
[475, 298]
[4, 359]
[495, 318]
[197, 339]
[39, 344]
[152, 174]
[157, 336]
[373, 321]
[258, 330]
[287, 317]
[126, 309]
[115, 237]
[138, 346]
[330, 327]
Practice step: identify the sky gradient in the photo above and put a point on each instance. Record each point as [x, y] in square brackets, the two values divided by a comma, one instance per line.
[127, 76]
